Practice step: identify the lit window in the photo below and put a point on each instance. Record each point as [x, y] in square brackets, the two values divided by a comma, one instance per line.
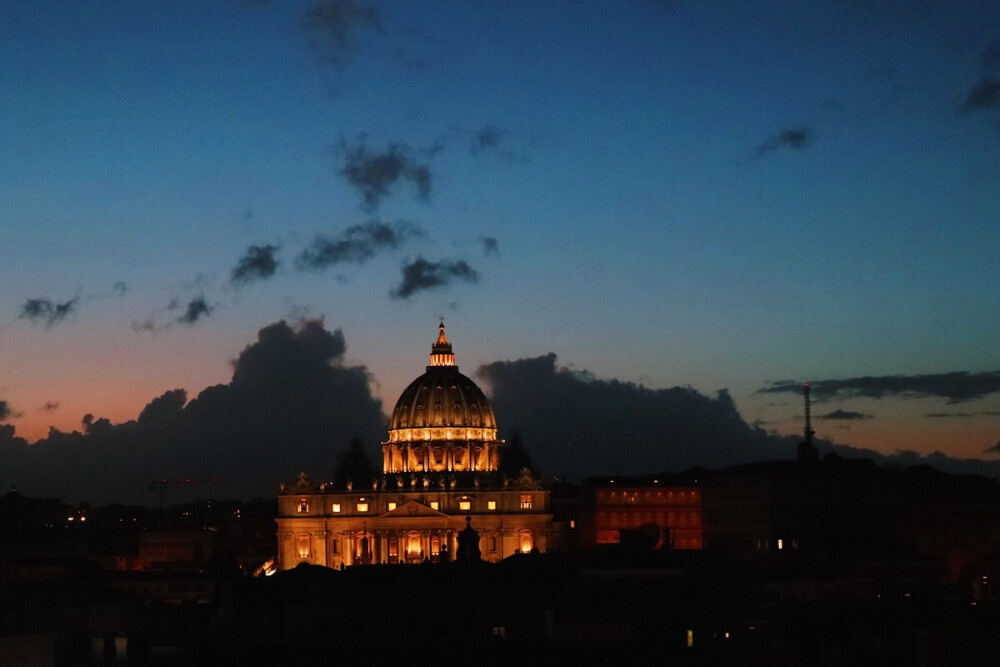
[435, 505]
[526, 502]
[465, 505]
[336, 508]
[304, 546]
[491, 504]
[392, 506]
[526, 542]
[781, 544]
[572, 523]
[303, 505]
[362, 506]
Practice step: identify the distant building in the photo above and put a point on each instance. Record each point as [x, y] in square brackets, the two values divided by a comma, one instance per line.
[442, 462]
[662, 513]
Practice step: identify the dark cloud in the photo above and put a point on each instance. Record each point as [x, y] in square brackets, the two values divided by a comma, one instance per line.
[956, 387]
[984, 95]
[49, 312]
[490, 246]
[845, 415]
[422, 274]
[794, 138]
[164, 409]
[994, 449]
[196, 309]
[356, 244]
[575, 424]
[257, 263]
[486, 138]
[50, 406]
[5, 411]
[373, 173]
[332, 27]
[963, 415]
[291, 404]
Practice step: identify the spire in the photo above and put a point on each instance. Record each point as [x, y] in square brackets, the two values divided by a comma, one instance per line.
[441, 354]
[807, 450]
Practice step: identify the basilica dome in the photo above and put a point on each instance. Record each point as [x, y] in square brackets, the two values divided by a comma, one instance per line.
[443, 398]
[438, 412]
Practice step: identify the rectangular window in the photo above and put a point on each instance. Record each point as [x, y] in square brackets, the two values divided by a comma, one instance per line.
[526, 502]
[392, 506]
[303, 505]
[362, 507]
[336, 508]
[464, 505]
[491, 504]
[781, 544]
[435, 505]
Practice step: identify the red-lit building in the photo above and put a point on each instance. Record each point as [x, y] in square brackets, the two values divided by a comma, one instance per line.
[666, 513]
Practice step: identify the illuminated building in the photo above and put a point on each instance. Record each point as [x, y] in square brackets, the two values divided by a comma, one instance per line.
[666, 513]
[442, 462]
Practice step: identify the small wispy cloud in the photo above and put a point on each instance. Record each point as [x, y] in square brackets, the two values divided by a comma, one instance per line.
[794, 138]
[490, 246]
[421, 274]
[47, 311]
[196, 309]
[332, 28]
[257, 263]
[373, 173]
[356, 244]
[845, 415]
[956, 386]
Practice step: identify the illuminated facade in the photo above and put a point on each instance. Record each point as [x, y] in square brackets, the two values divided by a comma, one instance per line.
[668, 513]
[441, 462]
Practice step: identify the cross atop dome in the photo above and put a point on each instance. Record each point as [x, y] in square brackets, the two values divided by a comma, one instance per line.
[441, 354]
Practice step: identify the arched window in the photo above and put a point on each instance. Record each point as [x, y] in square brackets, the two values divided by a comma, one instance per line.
[527, 541]
[413, 544]
[303, 546]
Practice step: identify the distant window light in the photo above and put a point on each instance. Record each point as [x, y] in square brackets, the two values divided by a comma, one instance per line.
[392, 506]
[465, 505]
[781, 544]
[526, 502]
[362, 507]
[435, 505]
[491, 504]
[336, 508]
[572, 523]
[527, 542]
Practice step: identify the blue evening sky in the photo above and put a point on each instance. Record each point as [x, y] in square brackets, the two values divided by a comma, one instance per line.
[714, 194]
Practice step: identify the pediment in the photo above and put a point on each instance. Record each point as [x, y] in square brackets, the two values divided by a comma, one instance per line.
[413, 509]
